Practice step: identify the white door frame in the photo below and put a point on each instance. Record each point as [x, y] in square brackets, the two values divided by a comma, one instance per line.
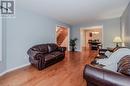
[90, 28]
[68, 35]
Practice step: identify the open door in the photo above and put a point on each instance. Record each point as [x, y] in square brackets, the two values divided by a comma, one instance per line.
[91, 38]
[62, 36]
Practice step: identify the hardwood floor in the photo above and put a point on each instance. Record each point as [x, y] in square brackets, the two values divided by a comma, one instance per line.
[68, 72]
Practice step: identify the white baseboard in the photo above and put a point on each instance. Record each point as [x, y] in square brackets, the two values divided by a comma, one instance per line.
[1, 74]
[12, 69]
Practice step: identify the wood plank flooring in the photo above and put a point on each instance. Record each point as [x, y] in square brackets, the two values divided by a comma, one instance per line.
[68, 72]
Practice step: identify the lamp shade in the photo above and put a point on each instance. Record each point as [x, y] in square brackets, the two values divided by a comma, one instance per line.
[117, 40]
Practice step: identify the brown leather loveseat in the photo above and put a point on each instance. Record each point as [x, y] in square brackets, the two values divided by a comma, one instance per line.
[96, 76]
[44, 55]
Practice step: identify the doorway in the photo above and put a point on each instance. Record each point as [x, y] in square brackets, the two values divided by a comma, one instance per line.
[62, 36]
[89, 35]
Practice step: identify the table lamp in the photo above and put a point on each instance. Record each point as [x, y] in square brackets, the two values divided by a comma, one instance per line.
[117, 40]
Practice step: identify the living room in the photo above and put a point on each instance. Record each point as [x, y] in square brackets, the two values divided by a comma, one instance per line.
[35, 22]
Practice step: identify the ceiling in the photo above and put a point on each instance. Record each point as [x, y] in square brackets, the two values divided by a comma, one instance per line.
[76, 11]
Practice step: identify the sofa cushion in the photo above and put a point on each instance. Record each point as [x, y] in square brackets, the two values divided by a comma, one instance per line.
[56, 53]
[108, 53]
[52, 47]
[124, 65]
[42, 48]
[49, 57]
[53, 55]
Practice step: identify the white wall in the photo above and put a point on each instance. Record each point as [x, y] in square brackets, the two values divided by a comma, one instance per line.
[24, 31]
[0, 39]
[3, 62]
[125, 26]
[111, 28]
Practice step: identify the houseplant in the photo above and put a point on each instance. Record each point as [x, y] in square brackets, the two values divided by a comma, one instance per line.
[73, 44]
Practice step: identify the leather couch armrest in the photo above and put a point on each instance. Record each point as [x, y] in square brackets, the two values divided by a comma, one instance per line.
[103, 77]
[62, 49]
[37, 55]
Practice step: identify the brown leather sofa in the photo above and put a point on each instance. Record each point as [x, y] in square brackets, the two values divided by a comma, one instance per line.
[96, 76]
[43, 55]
